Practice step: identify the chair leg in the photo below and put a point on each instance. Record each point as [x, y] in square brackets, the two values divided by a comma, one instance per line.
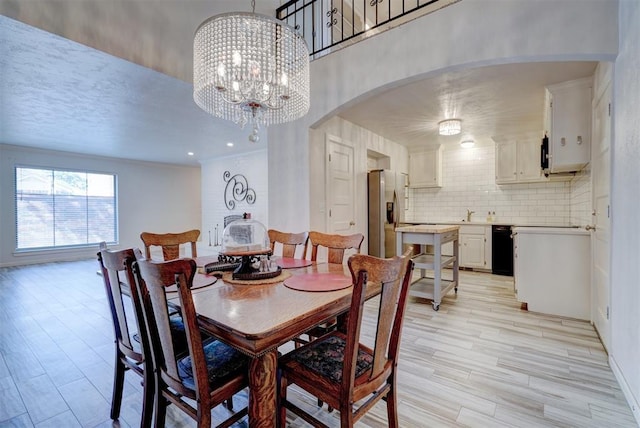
[392, 407]
[229, 403]
[118, 385]
[346, 417]
[204, 417]
[160, 407]
[148, 394]
[282, 398]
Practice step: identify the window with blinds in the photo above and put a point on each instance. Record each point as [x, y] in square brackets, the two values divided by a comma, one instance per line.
[57, 209]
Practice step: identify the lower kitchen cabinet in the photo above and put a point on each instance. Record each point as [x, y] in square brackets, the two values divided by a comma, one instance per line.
[474, 247]
[551, 270]
[472, 250]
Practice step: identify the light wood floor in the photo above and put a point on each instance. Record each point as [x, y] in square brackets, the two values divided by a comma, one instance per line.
[479, 362]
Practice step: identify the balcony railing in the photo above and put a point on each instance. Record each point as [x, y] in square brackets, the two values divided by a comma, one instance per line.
[329, 24]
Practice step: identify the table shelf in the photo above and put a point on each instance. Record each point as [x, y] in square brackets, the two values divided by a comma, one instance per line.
[427, 261]
[431, 236]
[424, 287]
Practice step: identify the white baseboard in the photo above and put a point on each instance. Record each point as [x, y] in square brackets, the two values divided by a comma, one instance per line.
[628, 394]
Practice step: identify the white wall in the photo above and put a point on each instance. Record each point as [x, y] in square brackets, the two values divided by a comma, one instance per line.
[580, 198]
[253, 166]
[625, 203]
[151, 197]
[362, 140]
[468, 182]
[467, 33]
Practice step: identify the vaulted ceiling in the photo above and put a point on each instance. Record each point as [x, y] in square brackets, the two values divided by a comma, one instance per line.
[113, 78]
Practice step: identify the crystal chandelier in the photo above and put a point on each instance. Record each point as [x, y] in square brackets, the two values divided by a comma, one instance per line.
[450, 127]
[250, 68]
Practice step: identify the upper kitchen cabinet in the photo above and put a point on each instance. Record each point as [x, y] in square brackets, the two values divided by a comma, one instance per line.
[518, 161]
[425, 168]
[568, 124]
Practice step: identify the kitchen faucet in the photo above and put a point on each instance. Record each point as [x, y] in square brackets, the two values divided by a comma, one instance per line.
[469, 212]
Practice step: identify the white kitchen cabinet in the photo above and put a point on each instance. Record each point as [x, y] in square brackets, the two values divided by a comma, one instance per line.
[551, 270]
[518, 161]
[425, 168]
[475, 246]
[506, 169]
[568, 124]
[472, 253]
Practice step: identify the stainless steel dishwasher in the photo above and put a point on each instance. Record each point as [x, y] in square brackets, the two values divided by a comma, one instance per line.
[501, 250]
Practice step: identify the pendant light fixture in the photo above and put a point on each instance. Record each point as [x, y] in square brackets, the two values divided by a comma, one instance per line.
[450, 127]
[250, 68]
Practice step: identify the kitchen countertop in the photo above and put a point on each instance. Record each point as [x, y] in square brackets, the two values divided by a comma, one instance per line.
[428, 228]
[551, 230]
[486, 223]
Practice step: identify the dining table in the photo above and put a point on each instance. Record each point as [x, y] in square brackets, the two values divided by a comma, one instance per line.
[258, 318]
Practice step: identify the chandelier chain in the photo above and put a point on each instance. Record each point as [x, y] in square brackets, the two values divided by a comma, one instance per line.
[253, 6]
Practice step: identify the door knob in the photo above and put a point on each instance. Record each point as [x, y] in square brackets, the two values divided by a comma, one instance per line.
[589, 227]
[352, 223]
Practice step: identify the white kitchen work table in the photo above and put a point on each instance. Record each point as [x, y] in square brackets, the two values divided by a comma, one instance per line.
[435, 235]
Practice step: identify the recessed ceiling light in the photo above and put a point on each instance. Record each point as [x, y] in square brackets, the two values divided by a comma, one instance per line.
[190, 153]
[229, 144]
[467, 144]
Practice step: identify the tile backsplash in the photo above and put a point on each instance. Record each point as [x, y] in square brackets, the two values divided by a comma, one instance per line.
[468, 183]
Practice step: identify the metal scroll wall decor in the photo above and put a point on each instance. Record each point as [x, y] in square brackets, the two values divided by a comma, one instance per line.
[237, 190]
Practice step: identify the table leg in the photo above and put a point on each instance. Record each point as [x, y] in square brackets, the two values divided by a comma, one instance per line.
[437, 272]
[262, 390]
[456, 264]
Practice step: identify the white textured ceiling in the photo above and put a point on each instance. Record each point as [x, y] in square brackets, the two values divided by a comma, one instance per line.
[493, 101]
[114, 79]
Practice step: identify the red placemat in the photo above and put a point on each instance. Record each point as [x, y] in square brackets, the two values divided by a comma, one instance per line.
[290, 263]
[200, 280]
[318, 282]
[203, 260]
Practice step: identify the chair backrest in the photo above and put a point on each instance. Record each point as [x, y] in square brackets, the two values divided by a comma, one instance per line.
[117, 274]
[170, 243]
[336, 245]
[289, 241]
[152, 278]
[394, 277]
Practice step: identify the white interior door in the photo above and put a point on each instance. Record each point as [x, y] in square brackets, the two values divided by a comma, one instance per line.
[340, 186]
[600, 237]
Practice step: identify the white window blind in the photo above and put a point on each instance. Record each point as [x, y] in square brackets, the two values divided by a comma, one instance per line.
[57, 208]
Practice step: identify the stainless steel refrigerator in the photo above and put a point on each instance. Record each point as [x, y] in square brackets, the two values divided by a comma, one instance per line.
[386, 210]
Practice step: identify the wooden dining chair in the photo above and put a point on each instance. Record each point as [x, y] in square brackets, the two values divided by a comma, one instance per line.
[117, 275]
[211, 373]
[337, 368]
[335, 245]
[290, 242]
[170, 243]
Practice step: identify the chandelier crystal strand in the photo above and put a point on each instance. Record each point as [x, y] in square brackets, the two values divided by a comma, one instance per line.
[250, 68]
[449, 127]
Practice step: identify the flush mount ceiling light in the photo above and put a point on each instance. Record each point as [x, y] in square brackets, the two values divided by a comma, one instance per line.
[250, 68]
[450, 127]
[467, 144]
